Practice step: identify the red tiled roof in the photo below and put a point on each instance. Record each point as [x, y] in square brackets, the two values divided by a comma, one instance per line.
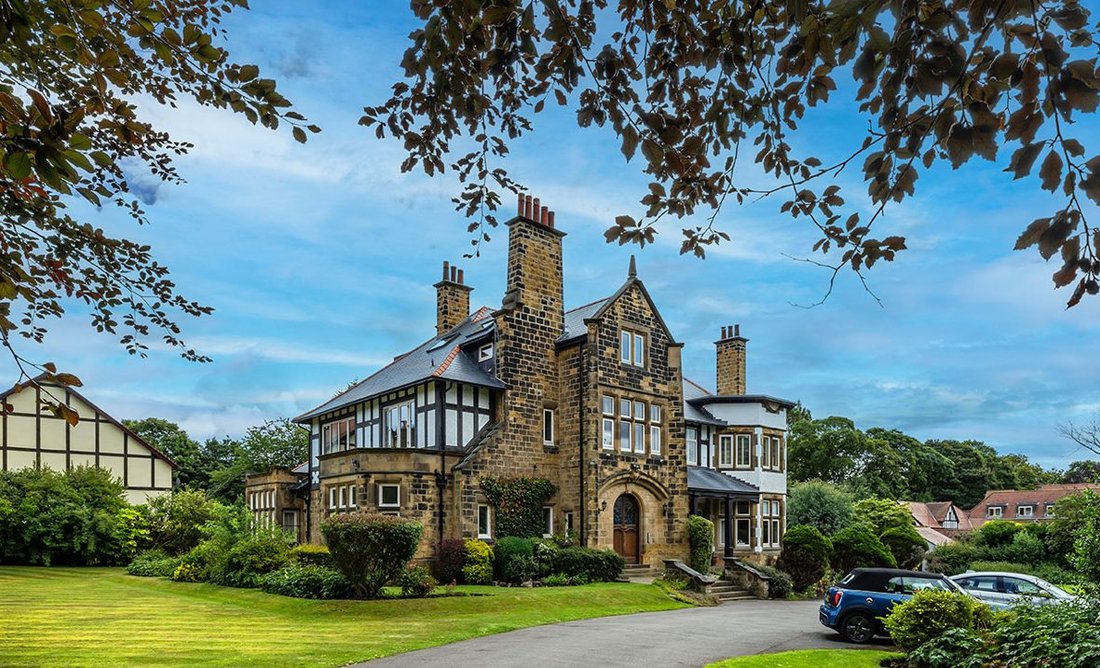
[1011, 499]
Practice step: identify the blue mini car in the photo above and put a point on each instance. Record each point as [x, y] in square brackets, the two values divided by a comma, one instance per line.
[856, 605]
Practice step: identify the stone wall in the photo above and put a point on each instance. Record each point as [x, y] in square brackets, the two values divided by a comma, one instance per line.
[730, 362]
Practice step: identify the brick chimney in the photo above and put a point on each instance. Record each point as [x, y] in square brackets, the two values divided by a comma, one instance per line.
[731, 361]
[452, 299]
[534, 263]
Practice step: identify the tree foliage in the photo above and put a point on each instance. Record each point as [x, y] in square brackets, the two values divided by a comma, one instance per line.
[74, 74]
[694, 87]
[889, 464]
[517, 504]
[819, 504]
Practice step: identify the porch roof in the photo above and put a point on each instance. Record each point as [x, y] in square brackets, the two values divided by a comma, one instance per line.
[709, 482]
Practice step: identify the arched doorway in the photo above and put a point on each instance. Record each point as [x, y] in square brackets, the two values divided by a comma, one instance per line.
[627, 520]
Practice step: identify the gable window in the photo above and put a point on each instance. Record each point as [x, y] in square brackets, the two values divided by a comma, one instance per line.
[632, 348]
[389, 495]
[725, 451]
[744, 452]
[484, 528]
[338, 435]
[548, 426]
[547, 521]
[399, 425]
[1025, 511]
[994, 511]
[485, 353]
[692, 438]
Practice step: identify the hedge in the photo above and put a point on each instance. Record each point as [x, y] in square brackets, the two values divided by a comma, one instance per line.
[370, 550]
[700, 532]
[805, 555]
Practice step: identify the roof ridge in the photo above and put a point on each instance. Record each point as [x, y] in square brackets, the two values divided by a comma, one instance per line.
[593, 303]
[697, 385]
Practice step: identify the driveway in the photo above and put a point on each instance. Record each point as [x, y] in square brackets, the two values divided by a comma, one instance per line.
[688, 637]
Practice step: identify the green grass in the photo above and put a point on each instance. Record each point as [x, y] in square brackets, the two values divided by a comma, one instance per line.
[811, 658]
[103, 617]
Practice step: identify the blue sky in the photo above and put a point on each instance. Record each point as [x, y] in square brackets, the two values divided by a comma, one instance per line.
[319, 260]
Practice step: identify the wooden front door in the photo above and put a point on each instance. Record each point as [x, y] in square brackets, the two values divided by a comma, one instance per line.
[626, 528]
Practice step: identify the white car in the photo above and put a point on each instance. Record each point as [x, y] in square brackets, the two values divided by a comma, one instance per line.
[1003, 590]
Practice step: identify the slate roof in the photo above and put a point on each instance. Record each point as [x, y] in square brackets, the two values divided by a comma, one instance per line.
[702, 479]
[692, 413]
[438, 357]
[933, 537]
[574, 327]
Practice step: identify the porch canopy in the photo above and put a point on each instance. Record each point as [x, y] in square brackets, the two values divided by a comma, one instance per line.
[708, 483]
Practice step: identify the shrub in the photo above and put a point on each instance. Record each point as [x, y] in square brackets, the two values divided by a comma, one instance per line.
[546, 554]
[1066, 635]
[195, 566]
[595, 565]
[306, 581]
[250, 558]
[1085, 557]
[562, 580]
[700, 532]
[882, 514]
[930, 613]
[176, 520]
[952, 558]
[996, 533]
[1025, 548]
[805, 555]
[477, 567]
[416, 582]
[188, 573]
[518, 504]
[131, 532]
[956, 648]
[311, 555]
[452, 557]
[153, 564]
[905, 544]
[515, 559]
[780, 583]
[819, 504]
[856, 547]
[370, 550]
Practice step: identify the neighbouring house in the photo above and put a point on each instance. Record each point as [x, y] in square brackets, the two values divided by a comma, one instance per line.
[592, 399]
[938, 521]
[278, 498]
[32, 436]
[1023, 505]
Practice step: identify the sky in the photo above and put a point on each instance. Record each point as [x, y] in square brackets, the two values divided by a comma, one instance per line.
[320, 259]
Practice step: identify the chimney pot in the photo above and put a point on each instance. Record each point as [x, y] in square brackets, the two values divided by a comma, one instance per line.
[536, 209]
[459, 276]
[737, 330]
[519, 206]
[527, 207]
[545, 215]
[446, 269]
[723, 332]
[550, 218]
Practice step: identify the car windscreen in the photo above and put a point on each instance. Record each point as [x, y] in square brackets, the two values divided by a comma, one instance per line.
[905, 584]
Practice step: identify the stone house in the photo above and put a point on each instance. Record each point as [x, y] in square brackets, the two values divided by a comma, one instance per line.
[592, 399]
[31, 436]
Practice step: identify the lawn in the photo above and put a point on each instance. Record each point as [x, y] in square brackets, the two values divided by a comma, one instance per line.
[103, 617]
[810, 658]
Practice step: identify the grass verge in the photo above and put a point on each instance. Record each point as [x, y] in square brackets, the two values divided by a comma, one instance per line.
[811, 658]
[103, 617]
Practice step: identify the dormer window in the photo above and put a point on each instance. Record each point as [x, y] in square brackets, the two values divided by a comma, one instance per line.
[485, 353]
[995, 511]
[1025, 511]
[632, 348]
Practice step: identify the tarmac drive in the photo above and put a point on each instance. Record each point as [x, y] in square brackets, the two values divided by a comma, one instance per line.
[687, 637]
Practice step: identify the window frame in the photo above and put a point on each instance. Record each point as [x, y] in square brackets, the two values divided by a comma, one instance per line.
[547, 521]
[655, 439]
[989, 512]
[626, 347]
[725, 451]
[488, 533]
[742, 440]
[1030, 510]
[409, 429]
[548, 421]
[332, 498]
[349, 433]
[485, 352]
[633, 348]
[691, 439]
[343, 494]
[607, 434]
[382, 486]
[353, 491]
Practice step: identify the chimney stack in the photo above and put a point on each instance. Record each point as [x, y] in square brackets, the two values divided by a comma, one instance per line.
[452, 299]
[731, 361]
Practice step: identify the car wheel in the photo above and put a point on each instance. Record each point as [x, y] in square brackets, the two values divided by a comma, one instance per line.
[858, 628]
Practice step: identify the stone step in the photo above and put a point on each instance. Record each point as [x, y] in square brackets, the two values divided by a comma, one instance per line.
[737, 597]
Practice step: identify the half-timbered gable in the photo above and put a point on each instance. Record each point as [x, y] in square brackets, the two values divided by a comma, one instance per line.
[32, 436]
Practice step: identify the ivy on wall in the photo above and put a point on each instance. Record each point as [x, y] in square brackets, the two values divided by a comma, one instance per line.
[518, 504]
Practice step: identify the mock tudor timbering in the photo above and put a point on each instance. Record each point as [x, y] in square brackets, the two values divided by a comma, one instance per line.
[592, 399]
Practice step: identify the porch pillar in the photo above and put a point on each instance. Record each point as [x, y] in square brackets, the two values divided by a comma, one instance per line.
[729, 527]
